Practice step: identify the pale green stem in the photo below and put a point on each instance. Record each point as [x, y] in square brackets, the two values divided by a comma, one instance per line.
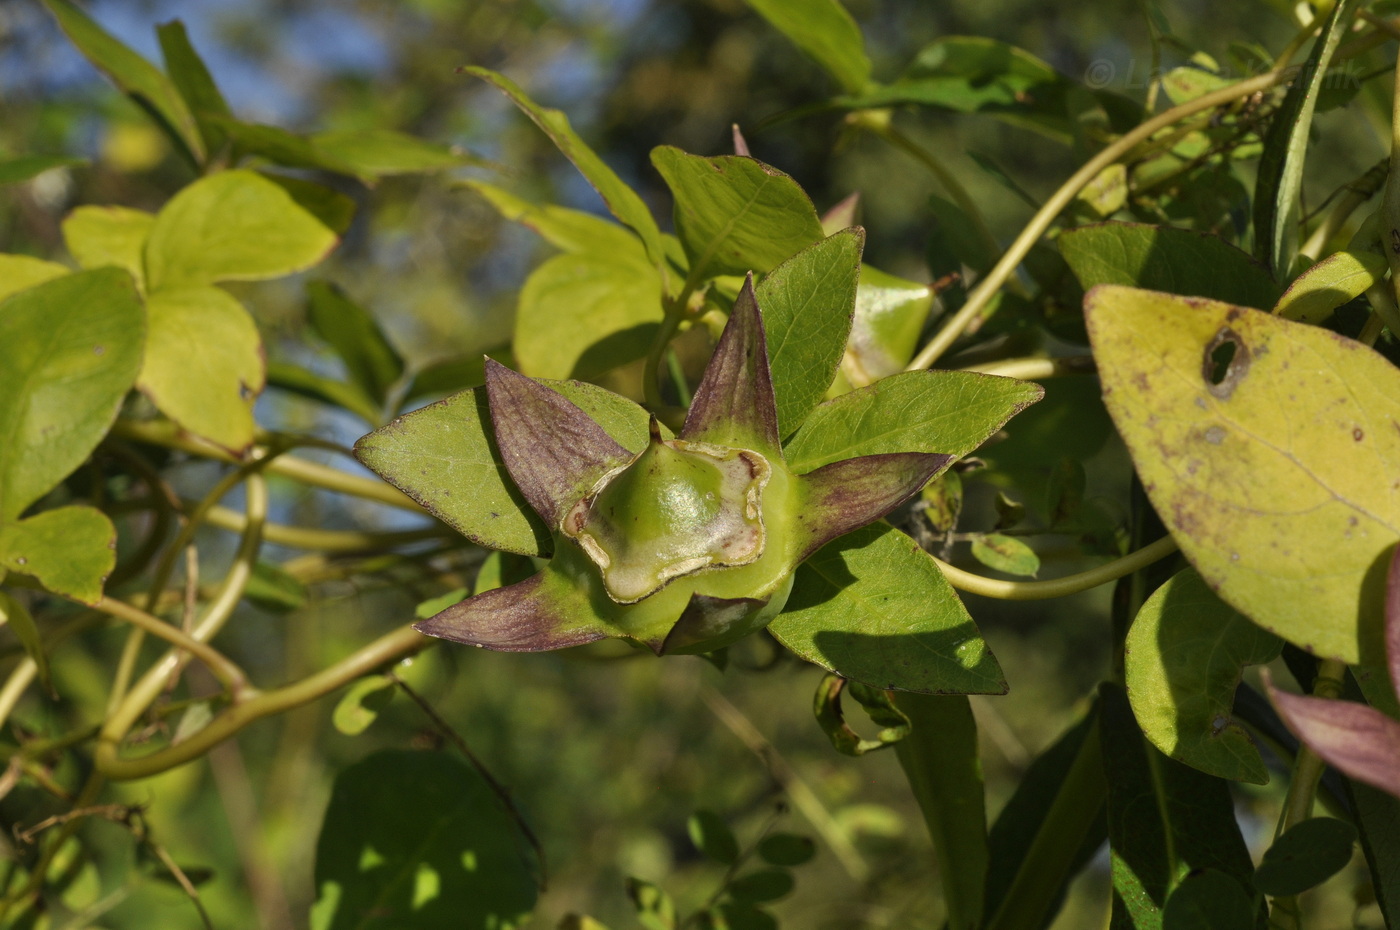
[19, 681]
[986, 288]
[651, 376]
[1035, 369]
[297, 537]
[228, 672]
[1357, 193]
[1058, 587]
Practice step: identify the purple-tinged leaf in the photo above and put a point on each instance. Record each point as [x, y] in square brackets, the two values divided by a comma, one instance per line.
[1392, 619]
[555, 452]
[543, 612]
[741, 145]
[846, 495]
[842, 215]
[734, 404]
[706, 619]
[1360, 741]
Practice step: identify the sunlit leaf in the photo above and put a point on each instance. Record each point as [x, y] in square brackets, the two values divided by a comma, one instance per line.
[98, 236]
[807, 303]
[281, 147]
[561, 227]
[919, 411]
[204, 363]
[1186, 651]
[378, 153]
[1005, 554]
[889, 316]
[362, 704]
[418, 841]
[735, 214]
[21, 272]
[70, 550]
[873, 607]
[1268, 448]
[824, 30]
[234, 225]
[73, 348]
[1338, 278]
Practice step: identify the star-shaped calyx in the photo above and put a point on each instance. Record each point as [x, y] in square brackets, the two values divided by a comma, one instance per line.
[686, 546]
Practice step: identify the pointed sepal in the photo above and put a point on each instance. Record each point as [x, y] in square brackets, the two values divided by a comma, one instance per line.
[734, 404]
[543, 612]
[1359, 741]
[710, 622]
[846, 495]
[555, 452]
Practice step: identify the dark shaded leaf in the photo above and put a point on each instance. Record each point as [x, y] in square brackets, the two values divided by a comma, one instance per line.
[1306, 855]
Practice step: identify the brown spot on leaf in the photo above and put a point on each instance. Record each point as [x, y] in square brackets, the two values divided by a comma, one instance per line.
[1357, 434]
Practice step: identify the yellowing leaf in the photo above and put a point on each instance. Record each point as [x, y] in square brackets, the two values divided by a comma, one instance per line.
[204, 363]
[234, 225]
[1317, 292]
[98, 236]
[1270, 449]
[21, 272]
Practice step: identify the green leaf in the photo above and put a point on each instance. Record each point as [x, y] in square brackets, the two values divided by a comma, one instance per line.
[1165, 820]
[889, 317]
[825, 31]
[70, 550]
[1306, 855]
[712, 836]
[370, 359]
[378, 153]
[134, 75]
[1163, 258]
[940, 759]
[204, 363]
[734, 214]
[234, 225]
[873, 607]
[581, 314]
[761, 886]
[1280, 180]
[1266, 446]
[497, 570]
[455, 374]
[28, 167]
[21, 272]
[418, 841]
[807, 304]
[74, 348]
[444, 457]
[280, 147]
[1005, 554]
[192, 79]
[1208, 900]
[326, 390]
[621, 200]
[918, 411]
[569, 230]
[786, 849]
[273, 589]
[1338, 278]
[334, 209]
[655, 909]
[737, 915]
[1186, 651]
[1378, 817]
[16, 616]
[436, 605]
[361, 705]
[100, 236]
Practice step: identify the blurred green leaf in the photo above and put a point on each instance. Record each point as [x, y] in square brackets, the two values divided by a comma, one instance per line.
[192, 79]
[281, 147]
[134, 75]
[1186, 651]
[20, 622]
[761, 886]
[944, 499]
[321, 388]
[825, 31]
[873, 607]
[1163, 258]
[737, 915]
[498, 570]
[99, 236]
[807, 304]
[418, 841]
[21, 272]
[735, 214]
[234, 225]
[27, 167]
[1005, 554]
[361, 705]
[829, 709]
[621, 199]
[455, 374]
[920, 411]
[563, 228]
[889, 316]
[1065, 494]
[378, 153]
[372, 362]
[786, 849]
[70, 550]
[443, 456]
[434, 605]
[1279, 184]
[712, 836]
[272, 588]
[204, 363]
[655, 909]
[1306, 855]
[581, 314]
[73, 348]
[1208, 900]
[334, 210]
